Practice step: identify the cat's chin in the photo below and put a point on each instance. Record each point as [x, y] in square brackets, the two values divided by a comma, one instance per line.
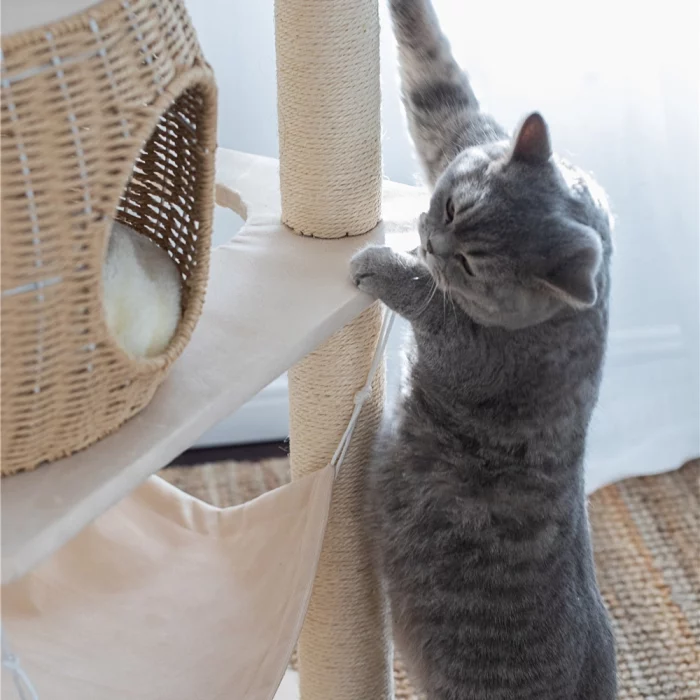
[479, 313]
[531, 312]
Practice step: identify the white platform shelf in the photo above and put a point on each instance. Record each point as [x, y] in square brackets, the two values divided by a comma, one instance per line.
[273, 296]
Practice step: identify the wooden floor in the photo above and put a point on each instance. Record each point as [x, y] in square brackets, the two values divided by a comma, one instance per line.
[239, 453]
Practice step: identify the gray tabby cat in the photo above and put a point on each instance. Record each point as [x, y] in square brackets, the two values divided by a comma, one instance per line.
[476, 503]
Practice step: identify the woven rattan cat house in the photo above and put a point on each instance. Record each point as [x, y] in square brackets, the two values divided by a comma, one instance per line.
[275, 301]
[105, 116]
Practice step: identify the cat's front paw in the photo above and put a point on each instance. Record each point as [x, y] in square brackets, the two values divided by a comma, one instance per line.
[369, 267]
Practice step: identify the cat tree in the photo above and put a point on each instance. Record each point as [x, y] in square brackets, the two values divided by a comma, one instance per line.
[328, 185]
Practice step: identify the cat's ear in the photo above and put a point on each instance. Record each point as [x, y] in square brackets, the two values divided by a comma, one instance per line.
[574, 267]
[531, 143]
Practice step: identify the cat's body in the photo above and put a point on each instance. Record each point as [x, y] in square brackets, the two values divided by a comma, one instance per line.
[141, 292]
[476, 503]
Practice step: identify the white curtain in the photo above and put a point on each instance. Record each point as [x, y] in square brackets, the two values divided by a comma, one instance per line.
[618, 83]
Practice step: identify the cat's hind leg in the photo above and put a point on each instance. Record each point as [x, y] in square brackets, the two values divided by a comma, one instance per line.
[599, 671]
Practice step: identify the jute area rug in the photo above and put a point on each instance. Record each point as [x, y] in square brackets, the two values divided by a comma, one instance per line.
[647, 548]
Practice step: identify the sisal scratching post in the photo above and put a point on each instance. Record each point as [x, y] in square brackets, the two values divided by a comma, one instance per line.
[328, 105]
[330, 176]
[344, 648]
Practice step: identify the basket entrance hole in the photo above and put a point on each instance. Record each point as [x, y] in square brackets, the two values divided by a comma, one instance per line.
[164, 198]
[167, 199]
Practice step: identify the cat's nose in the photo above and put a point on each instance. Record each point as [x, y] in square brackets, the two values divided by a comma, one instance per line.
[429, 247]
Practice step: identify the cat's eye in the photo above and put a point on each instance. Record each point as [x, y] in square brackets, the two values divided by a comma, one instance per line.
[463, 260]
[449, 210]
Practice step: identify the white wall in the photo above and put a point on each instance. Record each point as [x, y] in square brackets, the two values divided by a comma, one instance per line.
[618, 83]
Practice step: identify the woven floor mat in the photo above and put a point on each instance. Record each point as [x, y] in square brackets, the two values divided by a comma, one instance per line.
[646, 534]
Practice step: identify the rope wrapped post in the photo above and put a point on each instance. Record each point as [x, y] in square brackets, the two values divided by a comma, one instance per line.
[330, 177]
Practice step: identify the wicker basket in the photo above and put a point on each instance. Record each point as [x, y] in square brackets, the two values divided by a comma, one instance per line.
[108, 114]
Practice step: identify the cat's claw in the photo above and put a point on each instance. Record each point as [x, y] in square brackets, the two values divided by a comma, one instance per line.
[366, 267]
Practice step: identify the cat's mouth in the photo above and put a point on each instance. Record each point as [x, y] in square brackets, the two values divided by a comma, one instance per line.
[433, 263]
[462, 294]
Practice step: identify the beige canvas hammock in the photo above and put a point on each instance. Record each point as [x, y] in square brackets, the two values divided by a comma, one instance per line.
[132, 606]
[151, 601]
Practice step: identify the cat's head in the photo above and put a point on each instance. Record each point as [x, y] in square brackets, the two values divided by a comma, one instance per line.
[507, 236]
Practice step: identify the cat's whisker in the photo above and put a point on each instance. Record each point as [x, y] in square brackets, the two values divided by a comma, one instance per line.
[448, 291]
[431, 294]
